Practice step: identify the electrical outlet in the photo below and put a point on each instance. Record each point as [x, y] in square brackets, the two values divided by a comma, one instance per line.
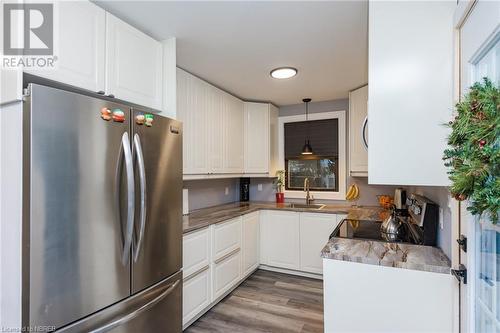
[441, 226]
[259, 187]
[226, 191]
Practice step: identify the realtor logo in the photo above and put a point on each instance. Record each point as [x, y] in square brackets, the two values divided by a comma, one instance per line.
[28, 29]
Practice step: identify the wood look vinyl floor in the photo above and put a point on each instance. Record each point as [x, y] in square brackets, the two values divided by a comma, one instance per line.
[267, 302]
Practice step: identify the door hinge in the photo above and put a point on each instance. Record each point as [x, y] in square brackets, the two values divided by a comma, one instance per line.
[460, 273]
[462, 242]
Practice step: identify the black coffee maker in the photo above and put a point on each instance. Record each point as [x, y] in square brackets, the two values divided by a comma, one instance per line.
[424, 218]
[244, 189]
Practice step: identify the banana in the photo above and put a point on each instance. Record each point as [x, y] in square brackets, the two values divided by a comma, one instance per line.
[352, 193]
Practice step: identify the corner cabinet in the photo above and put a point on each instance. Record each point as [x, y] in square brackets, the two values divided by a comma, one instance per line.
[261, 139]
[133, 64]
[358, 132]
[213, 144]
[410, 92]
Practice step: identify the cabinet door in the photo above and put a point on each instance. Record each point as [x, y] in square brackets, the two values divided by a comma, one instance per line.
[80, 46]
[280, 239]
[133, 64]
[226, 238]
[192, 111]
[196, 295]
[216, 130]
[256, 138]
[196, 251]
[315, 230]
[358, 131]
[410, 95]
[226, 274]
[251, 242]
[233, 134]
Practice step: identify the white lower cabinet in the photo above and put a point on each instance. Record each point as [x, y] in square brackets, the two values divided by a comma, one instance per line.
[280, 239]
[315, 230]
[217, 258]
[226, 273]
[196, 295]
[250, 242]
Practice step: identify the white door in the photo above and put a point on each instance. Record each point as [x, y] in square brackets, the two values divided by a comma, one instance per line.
[133, 64]
[233, 134]
[250, 242]
[256, 137]
[80, 46]
[315, 230]
[479, 28]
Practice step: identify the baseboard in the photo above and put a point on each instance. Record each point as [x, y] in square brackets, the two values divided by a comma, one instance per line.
[291, 272]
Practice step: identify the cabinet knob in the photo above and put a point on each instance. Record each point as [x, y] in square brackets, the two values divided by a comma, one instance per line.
[111, 96]
[100, 92]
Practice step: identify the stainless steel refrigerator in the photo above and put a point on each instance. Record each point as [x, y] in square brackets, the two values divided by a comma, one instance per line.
[102, 215]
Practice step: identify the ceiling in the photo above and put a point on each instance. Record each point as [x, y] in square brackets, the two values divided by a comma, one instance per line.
[234, 45]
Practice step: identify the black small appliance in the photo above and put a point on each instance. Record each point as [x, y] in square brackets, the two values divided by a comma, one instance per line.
[244, 189]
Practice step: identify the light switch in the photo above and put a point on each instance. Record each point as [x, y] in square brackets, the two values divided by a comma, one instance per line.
[226, 192]
[259, 187]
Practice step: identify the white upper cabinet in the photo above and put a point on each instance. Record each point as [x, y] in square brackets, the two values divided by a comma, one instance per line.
[261, 137]
[233, 134]
[410, 91]
[133, 64]
[193, 112]
[79, 47]
[358, 131]
[213, 144]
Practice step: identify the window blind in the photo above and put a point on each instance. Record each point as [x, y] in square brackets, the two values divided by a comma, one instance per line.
[323, 137]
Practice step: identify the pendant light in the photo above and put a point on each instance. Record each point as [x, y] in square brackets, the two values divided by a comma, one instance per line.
[307, 149]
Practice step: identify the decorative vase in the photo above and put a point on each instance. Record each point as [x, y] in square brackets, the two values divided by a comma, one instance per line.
[280, 197]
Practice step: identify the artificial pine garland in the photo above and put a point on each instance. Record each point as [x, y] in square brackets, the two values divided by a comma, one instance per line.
[474, 150]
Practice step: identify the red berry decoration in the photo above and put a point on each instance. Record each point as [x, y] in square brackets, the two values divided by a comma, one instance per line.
[482, 143]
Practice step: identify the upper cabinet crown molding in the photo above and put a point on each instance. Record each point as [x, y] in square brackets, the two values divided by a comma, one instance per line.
[410, 92]
[133, 64]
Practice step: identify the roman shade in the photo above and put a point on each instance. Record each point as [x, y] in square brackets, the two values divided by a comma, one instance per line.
[323, 136]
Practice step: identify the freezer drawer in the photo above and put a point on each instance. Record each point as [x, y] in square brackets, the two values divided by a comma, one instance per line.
[156, 309]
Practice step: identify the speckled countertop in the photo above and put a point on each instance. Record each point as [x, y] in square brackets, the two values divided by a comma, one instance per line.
[400, 255]
[406, 256]
[202, 218]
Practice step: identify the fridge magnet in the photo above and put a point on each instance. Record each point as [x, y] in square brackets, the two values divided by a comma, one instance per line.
[106, 114]
[118, 115]
[140, 119]
[149, 120]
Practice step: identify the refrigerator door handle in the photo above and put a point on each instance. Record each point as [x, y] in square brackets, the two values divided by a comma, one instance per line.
[129, 167]
[142, 181]
[133, 314]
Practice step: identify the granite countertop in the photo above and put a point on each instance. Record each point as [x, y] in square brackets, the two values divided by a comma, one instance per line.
[400, 255]
[202, 218]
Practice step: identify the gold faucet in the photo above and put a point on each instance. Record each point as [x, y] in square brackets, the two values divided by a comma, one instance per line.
[309, 197]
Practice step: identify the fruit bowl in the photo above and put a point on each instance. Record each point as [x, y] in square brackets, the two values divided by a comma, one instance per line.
[385, 201]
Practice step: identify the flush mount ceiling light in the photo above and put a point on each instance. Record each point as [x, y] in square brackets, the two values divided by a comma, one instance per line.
[283, 72]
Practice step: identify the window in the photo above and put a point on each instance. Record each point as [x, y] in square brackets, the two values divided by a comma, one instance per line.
[321, 168]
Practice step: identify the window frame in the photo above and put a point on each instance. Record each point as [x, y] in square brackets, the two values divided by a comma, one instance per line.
[342, 165]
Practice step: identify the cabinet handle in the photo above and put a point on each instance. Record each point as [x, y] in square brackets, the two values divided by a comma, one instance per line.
[363, 133]
[111, 96]
[100, 92]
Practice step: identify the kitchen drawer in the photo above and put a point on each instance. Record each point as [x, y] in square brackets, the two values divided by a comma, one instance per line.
[196, 295]
[226, 238]
[195, 251]
[226, 273]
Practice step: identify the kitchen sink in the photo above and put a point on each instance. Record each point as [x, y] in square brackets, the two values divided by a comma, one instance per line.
[311, 206]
